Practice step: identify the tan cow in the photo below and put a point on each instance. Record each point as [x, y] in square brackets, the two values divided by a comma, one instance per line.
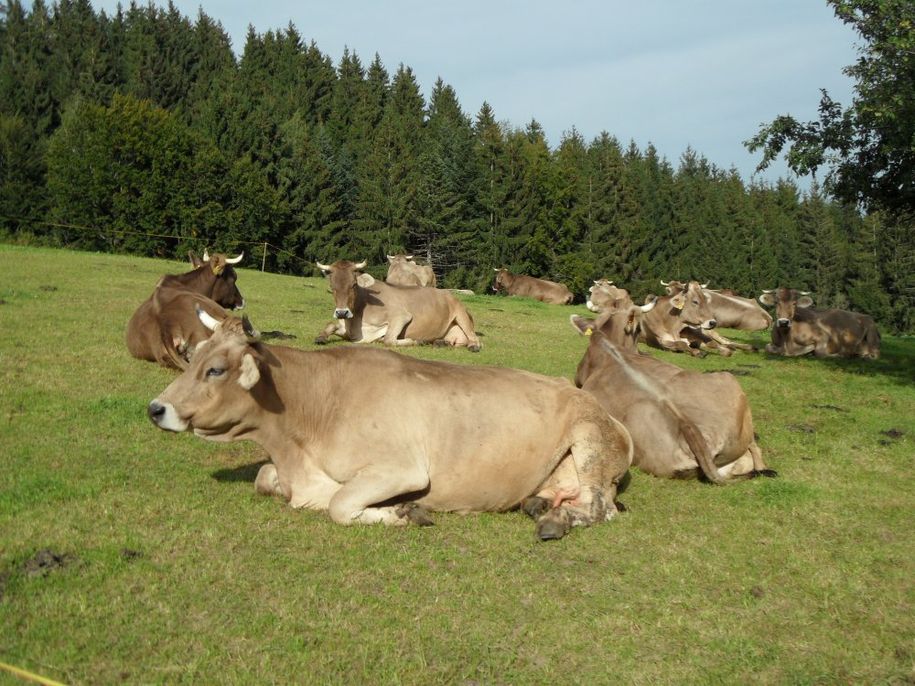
[403, 271]
[799, 329]
[165, 327]
[681, 322]
[730, 311]
[371, 435]
[682, 423]
[367, 310]
[531, 287]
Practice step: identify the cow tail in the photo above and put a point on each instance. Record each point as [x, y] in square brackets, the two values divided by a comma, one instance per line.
[168, 354]
[699, 447]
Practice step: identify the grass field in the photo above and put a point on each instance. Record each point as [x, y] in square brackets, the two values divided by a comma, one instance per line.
[131, 554]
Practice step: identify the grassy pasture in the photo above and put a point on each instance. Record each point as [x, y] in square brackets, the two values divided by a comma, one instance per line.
[167, 568]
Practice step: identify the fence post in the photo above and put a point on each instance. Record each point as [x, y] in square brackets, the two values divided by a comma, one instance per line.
[264, 261]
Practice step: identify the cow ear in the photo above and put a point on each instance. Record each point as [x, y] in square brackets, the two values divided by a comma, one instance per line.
[250, 374]
[767, 299]
[804, 301]
[678, 301]
[583, 326]
[365, 280]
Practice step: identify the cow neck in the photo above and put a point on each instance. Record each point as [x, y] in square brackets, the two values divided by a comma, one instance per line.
[295, 398]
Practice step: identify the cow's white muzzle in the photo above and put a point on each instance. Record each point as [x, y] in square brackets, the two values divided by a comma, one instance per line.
[164, 416]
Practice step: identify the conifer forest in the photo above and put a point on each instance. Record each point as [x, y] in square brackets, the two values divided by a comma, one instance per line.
[143, 132]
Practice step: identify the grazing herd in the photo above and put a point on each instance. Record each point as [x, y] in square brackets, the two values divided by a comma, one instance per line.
[370, 435]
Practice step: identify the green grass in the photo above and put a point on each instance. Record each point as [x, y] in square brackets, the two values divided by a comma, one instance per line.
[178, 573]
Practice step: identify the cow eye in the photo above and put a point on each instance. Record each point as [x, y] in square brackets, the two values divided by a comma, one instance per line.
[215, 371]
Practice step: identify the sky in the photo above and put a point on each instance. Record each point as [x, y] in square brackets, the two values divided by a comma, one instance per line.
[703, 74]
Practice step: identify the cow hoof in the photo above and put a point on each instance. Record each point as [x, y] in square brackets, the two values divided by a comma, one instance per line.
[475, 348]
[320, 340]
[551, 530]
[620, 507]
[535, 506]
[440, 343]
[415, 514]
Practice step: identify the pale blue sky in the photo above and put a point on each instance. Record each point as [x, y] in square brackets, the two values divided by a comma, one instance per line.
[699, 73]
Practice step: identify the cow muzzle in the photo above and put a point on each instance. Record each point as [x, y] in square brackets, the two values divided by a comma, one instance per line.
[783, 323]
[591, 306]
[344, 313]
[710, 324]
[164, 416]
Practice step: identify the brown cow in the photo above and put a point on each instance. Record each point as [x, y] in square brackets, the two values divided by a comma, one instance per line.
[799, 329]
[367, 310]
[531, 287]
[165, 328]
[681, 322]
[373, 436]
[682, 423]
[403, 271]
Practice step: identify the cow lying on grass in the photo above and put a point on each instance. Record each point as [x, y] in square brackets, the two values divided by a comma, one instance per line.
[371, 435]
[532, 287]
[683, 423]
[367, 310]
[165, 328]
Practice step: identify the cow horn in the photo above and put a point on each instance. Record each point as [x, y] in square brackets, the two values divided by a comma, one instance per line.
[408, 257]
[323, 267]
[235, 260]
[704, 285]
[206, 319]
[665, 283]
[804, 292]
[768, 290]
[361, 265]
[648, 307]
[206, 255]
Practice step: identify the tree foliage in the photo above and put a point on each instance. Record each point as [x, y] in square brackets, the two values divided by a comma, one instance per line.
[143, 132]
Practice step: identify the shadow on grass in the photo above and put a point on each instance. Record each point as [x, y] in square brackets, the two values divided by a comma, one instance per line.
[897, 361]
[247, 472]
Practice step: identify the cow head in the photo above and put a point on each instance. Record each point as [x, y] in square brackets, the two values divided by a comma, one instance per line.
[619, 327]
[219, 268]
[502, 281]
[692, 303]
[604, 296]
[400, 258]
[214, 395]
[344, 277]
[786, 302]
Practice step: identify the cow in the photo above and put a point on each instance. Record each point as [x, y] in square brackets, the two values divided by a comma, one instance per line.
[374, 436]
[531, 287]
[165, 327]
[681, 321]
[800, 329]
[730, 311]
[603, 296]
[366, 310]
[403, 271]
[683, 424]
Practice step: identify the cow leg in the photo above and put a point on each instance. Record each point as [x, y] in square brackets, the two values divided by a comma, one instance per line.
[727, 342]
[600, 455]
[335, 326]
[465, 323]
[353, 503]
[397, 323]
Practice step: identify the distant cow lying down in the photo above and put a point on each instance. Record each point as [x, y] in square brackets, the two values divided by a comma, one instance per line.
[371, 435]
[165, 327]
[367, 310]
[683, 423]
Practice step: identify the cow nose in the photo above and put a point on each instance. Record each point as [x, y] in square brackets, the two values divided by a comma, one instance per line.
[343, 314]
[712, 323]
[155, 411]
[784, 322]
